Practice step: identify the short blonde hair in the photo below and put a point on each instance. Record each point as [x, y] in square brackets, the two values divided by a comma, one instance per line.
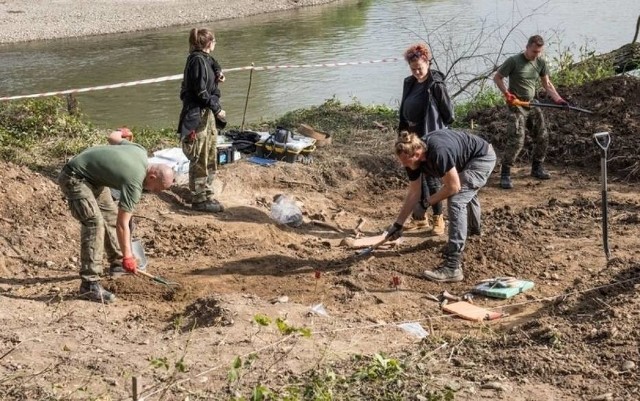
[164, 174]
[408, 144]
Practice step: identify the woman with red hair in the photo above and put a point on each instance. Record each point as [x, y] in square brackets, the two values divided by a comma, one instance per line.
[425, 107]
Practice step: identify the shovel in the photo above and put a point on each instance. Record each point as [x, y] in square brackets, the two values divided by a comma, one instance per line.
[554, 106]
[370, 249]
[603, 140]
[169, 284]
[138, 252]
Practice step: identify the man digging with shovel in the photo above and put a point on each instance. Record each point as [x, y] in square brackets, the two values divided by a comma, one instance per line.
[85, 181]
[524, 70]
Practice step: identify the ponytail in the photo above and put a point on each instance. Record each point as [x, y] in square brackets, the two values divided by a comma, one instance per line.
[408, 144]
[199, 39]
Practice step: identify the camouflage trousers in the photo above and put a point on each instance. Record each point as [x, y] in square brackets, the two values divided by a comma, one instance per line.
[94, 208]
[200, 149]
[522, 119]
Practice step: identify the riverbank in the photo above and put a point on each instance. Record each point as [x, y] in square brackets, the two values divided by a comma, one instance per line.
[29, 20]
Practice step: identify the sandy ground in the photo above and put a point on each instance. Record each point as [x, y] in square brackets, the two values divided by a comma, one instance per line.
[28, 20]
[572, 337]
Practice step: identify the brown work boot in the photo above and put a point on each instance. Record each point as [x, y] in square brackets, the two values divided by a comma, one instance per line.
[437, 220]
[417, 224]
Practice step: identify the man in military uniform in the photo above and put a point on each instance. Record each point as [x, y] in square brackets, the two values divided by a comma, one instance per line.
[85, 181]
[524, 70]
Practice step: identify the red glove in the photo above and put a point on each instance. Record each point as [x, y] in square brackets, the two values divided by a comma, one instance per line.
[561, 102]
[510, 98]
[130, 265]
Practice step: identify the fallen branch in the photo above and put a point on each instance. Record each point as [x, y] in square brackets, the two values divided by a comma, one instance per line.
[14, 348]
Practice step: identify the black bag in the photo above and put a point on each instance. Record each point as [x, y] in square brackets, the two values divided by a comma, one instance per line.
[281, 135]
[243, 141]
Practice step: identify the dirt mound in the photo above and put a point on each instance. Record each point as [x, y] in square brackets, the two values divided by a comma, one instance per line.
[203, 312]
[615, 103]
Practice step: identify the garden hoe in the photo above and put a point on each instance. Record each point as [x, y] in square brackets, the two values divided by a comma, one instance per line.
[603, 140]
[554, 106]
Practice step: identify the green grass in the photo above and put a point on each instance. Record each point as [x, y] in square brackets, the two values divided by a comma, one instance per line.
[42, 133]
[570, 71]
[486, 99]
[340, 119]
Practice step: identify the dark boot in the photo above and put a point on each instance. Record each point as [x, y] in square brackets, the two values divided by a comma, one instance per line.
[210, 206]
[93, 291]
[505, 177]
[539, 172]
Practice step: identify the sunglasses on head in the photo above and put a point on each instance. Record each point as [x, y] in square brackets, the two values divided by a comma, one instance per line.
[416, 55]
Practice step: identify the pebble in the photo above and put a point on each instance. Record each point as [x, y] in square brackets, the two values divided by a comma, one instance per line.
[49, 263]
[493, 386]
[602, 397]
[453, 386]
[628, 365]
[283, 299]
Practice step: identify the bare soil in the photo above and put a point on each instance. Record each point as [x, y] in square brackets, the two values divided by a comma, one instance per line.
[573, 337]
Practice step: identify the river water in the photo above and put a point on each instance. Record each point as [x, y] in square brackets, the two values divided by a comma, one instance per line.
[350, 31]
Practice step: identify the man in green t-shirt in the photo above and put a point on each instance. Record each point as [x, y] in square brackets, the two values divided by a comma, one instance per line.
[85, 181]
[524, 70]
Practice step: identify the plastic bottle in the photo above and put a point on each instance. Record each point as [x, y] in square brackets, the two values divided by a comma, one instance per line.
[285, 211]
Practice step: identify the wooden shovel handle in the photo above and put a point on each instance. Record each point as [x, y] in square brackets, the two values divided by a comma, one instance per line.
[145, 274]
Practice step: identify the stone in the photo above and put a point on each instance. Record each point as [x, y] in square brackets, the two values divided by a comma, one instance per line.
[628, 366]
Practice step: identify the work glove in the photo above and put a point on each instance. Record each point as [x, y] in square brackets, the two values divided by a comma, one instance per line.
[394, 231]
[510, 98]
[561, 102]
[130, 265]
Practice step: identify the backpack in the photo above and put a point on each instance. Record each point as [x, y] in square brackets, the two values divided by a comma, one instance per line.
[243, 141]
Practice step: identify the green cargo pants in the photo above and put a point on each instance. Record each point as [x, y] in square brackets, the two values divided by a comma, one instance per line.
[521, 119]
[94, 208]
[200, 149]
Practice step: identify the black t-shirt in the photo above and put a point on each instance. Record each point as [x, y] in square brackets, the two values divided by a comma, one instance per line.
[415, 103]
[446, 149]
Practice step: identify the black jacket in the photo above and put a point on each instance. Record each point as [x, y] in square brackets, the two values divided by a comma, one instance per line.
[199, 90]
[438, 111]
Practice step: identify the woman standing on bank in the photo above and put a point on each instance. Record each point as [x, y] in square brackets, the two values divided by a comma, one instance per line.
[425, 107]
[197, 126]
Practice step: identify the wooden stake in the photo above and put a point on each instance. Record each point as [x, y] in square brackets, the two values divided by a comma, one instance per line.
[134, 388]
[246, 103]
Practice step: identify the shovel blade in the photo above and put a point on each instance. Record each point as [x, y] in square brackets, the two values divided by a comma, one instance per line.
[365, 252]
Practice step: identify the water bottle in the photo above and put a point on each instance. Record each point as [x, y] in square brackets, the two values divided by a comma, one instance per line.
[285, 211]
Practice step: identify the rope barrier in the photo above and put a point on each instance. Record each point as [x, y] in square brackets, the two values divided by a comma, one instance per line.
[179, 76]
[393, 324]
